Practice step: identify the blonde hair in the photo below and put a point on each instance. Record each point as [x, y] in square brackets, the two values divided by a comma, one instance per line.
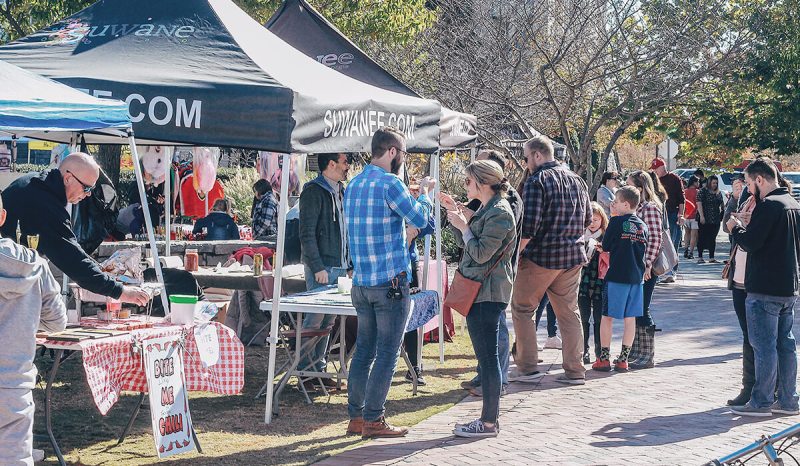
[597, 209]
[489, 173]
[643, 181]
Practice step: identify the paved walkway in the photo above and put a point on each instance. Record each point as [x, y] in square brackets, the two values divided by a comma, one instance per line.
[672, 414]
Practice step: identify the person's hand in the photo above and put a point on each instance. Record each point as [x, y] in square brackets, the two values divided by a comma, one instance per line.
[448, 202]
[681, 220]
[648, 273]
[134, 295]
[702, 220]
[458, 220]
[426, 185]
[321, 277]
[411, 234]
[731, 224]
[466, 213]
[743, 216]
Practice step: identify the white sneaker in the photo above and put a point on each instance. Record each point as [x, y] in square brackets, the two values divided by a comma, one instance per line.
[38, 455]
[553, 343]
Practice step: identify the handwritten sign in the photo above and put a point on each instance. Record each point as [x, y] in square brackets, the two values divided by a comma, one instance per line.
[207, 339]
[169, 404]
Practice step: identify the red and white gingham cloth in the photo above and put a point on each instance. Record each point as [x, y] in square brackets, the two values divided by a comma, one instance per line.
[112, 365]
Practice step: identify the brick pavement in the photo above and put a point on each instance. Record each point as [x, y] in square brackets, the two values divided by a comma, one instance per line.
[672, 414]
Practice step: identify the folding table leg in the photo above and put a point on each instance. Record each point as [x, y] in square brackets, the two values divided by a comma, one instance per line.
[48, 392]
[411, 370]
[132, 418]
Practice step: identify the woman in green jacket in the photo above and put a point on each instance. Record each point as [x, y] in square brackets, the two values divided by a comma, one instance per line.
[487, 237]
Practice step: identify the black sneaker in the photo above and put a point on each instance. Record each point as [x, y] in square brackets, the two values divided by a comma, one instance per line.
[420, 379]
[586, 358]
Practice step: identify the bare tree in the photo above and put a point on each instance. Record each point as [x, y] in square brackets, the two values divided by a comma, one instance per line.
[582, 70]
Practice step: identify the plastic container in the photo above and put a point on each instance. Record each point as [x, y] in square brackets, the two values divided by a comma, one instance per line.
[344, 285]
[182, 309]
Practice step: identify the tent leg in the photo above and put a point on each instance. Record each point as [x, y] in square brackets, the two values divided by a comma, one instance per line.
[167, 204]
[73, 147]
[137, 169]
[439, 260]
[277, 273]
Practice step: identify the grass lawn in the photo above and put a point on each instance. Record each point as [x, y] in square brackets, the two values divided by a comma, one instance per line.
[231, 429]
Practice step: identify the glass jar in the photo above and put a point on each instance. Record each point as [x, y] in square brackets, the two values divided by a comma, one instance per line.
[191, 260]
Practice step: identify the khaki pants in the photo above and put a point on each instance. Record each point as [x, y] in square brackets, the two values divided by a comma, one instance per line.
[561, 286]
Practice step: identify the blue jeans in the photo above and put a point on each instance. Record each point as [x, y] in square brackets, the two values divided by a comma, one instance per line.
[381, 325]
[316, 356]
[674, 232]
[502, 352]
[552, 324]
[482, 322]
[769, 327]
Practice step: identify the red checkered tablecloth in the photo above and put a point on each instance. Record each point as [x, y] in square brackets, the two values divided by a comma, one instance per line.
[113, 365]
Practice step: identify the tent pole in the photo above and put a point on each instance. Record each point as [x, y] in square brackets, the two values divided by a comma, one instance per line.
[167, 204]
[64, 278]
[137, 169]
[14, 153]
[439, 260]
[277, 276]
[473, 152]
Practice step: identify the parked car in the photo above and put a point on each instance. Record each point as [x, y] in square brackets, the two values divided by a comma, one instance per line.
[794, 178]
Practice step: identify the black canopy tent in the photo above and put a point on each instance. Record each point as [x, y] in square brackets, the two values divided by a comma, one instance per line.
[202, 72]
[305, 29]
[205, 73]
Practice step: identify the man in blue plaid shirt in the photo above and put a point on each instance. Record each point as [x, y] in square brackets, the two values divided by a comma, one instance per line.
[378, 206]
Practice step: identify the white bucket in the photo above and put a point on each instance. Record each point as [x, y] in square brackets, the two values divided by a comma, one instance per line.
[182, 309]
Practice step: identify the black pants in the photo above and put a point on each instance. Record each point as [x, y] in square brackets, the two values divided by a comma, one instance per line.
[647, 295]
[410, 338]
[591, 308]
[748, 359]
[707, 239]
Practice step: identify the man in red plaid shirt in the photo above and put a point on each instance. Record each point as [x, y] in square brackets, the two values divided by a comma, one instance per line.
[557, 212]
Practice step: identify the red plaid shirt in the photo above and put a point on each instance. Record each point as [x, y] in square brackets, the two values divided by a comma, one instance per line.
[557, 212]
[652, 217]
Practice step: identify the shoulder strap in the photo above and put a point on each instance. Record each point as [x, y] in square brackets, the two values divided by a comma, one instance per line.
[505, 250]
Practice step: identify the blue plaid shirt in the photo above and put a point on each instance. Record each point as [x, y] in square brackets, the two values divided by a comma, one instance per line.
[377, 205]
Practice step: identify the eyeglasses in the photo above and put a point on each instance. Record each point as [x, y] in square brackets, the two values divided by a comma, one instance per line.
[86, 187]
[400, 150]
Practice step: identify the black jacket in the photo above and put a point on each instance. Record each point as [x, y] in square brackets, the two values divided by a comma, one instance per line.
[320, 232]
[771, 241]
[38, 202]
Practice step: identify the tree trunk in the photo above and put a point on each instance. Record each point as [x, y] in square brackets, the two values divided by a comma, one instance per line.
[108, 157]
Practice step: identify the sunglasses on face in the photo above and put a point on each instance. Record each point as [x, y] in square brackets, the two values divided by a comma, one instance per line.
[87, 188]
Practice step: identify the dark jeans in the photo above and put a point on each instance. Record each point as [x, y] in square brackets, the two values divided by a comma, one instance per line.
[410, 341]
[674, 232]
[647, 295]
[769, 325]
[482, 322]
[591, 308]
[707, 239]
[502, 352]
[381, 325]
[748, 359]
[552, 325]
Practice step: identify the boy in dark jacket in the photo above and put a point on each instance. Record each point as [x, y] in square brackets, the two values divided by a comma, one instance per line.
[323, 240]
[625, 241]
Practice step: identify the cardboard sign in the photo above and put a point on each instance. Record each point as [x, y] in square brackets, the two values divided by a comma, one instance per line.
[207, 339]
[169, 404]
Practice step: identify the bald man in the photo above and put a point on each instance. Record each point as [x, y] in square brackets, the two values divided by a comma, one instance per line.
[38, 202]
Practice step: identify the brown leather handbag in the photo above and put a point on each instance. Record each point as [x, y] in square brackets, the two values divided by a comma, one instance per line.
[463, 291]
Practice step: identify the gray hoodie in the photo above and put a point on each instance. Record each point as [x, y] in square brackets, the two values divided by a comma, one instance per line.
[29, 300]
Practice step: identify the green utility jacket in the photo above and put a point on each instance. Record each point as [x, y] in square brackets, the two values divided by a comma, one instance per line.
[493, 229]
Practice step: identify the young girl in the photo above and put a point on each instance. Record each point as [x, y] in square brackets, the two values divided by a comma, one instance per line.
[590, 293]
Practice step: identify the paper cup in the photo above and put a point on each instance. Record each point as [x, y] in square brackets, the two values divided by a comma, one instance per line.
[345, 285]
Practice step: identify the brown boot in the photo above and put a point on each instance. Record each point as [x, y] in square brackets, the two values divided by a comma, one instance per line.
[381, 429]
[356, 426]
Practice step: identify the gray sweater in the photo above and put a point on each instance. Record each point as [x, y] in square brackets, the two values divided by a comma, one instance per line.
[29, 300]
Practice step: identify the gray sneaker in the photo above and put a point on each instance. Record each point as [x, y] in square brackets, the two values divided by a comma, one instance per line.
[516, 375]
[777, 409]
[478, 391]
[475, 428]
[569, 381]
[748, 410]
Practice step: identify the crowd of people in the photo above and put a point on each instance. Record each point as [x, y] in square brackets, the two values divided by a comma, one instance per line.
[546, 244]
